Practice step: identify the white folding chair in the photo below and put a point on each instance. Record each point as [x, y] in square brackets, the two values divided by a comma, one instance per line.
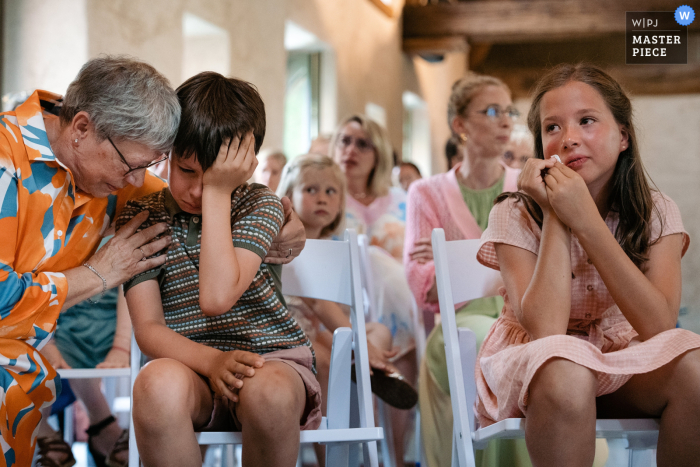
[132, 371]
[460, 277]
[328, 270]
[373, 310]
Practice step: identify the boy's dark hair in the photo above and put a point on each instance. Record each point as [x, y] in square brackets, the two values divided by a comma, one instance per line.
[215, 108]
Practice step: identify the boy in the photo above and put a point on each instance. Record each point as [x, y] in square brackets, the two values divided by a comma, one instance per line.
[228, 356]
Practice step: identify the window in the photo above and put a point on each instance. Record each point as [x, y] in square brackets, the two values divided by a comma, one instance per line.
[416, 133]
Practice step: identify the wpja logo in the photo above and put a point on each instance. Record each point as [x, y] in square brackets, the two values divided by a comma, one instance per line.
[658, 37]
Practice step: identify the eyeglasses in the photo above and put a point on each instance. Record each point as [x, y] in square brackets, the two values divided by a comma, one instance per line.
[134, 169]
[361, 144]
[494, 112]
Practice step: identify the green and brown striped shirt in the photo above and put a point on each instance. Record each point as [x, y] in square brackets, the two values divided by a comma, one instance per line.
[259, 322]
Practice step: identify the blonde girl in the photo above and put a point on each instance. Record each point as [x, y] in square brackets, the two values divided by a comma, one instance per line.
[316, 186]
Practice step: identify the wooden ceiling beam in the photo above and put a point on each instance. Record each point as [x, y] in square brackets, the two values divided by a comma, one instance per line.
[638, 80]
[510, 21]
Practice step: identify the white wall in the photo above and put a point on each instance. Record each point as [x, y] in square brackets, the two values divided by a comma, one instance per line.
[45, 44]
[669, 133]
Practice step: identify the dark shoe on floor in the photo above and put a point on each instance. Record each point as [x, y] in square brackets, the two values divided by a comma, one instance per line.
[392, 388]
[93, 431]
[48, 446]
[122, 445]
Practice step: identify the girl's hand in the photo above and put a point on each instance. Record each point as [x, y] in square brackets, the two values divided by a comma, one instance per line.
[422, 251]
[531, 180]
[569, 197]
[379, 359]
[233, 166]
[53, 355]
[116, 358]
[227, 365]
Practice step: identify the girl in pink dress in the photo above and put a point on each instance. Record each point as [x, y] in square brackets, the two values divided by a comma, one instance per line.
[590, 256]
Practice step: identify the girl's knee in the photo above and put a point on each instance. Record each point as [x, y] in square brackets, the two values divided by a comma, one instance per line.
[564, 388]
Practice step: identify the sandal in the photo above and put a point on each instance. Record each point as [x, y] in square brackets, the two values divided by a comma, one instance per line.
[392, 388]
[54, 445]
[93, 431]
[122, 445]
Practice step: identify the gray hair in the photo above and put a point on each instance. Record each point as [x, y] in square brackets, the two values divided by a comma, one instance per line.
[126, 99]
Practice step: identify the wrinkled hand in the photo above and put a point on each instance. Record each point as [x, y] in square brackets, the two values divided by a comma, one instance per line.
[422, 251]
[121, 257]
[569, 197]
[233, 166]
[223, 380]
[116, 358]
[379, 359]
[291, 239]
[53, 355]
[531, 180]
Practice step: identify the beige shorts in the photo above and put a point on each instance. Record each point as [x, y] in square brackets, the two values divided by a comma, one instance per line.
[223, 414]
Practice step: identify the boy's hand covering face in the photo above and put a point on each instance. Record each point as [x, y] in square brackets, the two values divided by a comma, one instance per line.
[233, 166]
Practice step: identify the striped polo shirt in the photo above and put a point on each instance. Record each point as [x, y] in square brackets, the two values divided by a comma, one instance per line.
[259, 321]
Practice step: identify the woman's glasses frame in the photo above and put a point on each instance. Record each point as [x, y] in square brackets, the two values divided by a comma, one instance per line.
[362, 144]
[495, 112]
[131, 169]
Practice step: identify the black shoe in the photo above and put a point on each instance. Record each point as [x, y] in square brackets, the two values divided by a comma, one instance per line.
[94, 430]
[392, 388]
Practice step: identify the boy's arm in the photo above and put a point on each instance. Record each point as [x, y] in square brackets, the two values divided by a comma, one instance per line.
[157, 340]
[225, 272]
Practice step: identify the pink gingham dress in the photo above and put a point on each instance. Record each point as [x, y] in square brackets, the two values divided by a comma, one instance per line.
[598, 337]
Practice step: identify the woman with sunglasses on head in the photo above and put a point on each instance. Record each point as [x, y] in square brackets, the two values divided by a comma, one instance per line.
[481, 116]
[362, 149]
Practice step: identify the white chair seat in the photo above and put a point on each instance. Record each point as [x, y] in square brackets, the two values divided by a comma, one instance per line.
[89, 373]
[514, 428]
[322, 435]
[460, 278]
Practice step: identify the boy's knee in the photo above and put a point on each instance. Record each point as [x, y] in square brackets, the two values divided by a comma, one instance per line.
[272, 397]
[160, 386]
[564, 387]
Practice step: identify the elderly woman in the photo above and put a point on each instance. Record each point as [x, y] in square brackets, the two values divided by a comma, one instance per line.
[362, 149]
[67, 167]
[481, 115]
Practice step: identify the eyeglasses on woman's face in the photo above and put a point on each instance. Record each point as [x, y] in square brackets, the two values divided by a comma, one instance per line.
[131, 169]
[362, 144]
[495, 112]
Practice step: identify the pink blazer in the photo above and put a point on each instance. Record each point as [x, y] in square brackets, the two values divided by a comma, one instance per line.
[437, 202]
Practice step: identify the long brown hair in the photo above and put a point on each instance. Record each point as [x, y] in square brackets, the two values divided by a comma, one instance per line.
[631, 194]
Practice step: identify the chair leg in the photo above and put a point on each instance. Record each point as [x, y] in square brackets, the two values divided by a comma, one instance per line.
[641, 457]
[370, 454]
[338, 454]
[387, 444]
[455, 454]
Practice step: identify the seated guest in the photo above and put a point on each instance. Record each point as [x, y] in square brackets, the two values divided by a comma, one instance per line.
[408, 173]
[481, 116]
[64, 182]
[269, 169]
[520, 147]
[213, 318]
[362, 149]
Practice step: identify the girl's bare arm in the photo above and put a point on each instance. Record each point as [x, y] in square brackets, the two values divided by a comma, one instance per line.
[539, 286]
